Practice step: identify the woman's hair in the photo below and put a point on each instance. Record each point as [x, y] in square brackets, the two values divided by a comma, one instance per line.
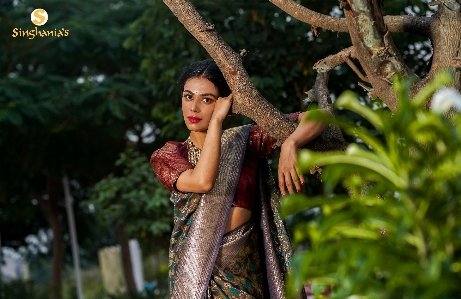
[209, 70]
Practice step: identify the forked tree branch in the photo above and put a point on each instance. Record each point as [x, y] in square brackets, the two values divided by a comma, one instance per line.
[332, 61]
[247, 100]
[408, 23]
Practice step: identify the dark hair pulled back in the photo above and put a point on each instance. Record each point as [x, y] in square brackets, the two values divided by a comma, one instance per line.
[209, 70]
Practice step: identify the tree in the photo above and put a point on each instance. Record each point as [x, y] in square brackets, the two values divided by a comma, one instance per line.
[135, 203]
[372, 46]
[66, 104]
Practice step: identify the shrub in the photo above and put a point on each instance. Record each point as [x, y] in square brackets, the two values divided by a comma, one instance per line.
[398, 233]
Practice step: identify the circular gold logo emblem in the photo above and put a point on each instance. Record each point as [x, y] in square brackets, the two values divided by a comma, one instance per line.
[39, 17]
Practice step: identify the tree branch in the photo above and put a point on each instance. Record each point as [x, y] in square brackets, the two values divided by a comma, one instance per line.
[356, 70]
[247, 100]
[306, 15]
[410, 24]
[446, 40]
[332, 139]
[339, 58]
[332, 61]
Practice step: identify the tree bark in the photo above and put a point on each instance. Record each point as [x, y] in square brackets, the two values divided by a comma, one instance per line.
[50, 208]
[126, 259]
[332, 61]
[375, 48]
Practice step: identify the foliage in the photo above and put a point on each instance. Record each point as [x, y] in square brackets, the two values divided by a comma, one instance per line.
[66, 104]
[17, 288]
[398, 234]
[134, 199]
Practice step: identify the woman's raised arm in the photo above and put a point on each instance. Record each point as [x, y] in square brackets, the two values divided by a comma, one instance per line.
[201, 179]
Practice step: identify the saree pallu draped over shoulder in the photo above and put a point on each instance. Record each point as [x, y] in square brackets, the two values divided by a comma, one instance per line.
[199, 255]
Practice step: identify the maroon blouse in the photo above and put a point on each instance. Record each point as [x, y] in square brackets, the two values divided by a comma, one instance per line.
[171, 160]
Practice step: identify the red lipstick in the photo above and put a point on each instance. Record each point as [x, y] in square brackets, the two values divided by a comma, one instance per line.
[194, 119]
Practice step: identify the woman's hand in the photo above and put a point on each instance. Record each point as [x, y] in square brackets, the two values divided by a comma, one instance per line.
[222, 107]
[288, 172]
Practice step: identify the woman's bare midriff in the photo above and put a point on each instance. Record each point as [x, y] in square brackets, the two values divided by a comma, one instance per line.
[237, 217]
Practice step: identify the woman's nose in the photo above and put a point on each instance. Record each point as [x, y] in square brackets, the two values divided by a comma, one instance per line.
[194, 106]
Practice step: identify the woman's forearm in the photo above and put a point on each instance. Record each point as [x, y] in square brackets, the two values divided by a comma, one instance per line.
[206, 170]
[201, 179]
[306, 131]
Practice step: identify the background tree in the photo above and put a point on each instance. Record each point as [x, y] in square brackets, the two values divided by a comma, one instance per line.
[135, 203]
[66, 104]
[374, 47]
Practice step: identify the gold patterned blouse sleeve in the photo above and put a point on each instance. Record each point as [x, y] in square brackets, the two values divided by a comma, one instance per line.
[169, 162]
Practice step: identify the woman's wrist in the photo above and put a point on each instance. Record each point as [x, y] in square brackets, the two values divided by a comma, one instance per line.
[291, 142]
[216, 120]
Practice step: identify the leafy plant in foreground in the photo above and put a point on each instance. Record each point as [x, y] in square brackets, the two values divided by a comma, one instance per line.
[398, 233]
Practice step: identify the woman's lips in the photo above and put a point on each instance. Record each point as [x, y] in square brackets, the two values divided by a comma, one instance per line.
[194, 119]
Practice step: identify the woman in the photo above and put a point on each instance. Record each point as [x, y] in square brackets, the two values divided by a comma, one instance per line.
[228, 240]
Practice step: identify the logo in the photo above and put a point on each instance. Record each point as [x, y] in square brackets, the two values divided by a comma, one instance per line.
[39, 17]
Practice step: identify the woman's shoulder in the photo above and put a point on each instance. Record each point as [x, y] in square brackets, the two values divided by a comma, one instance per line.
[170, 148]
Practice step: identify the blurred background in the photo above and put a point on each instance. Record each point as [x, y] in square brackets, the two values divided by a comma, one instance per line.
[81, 114]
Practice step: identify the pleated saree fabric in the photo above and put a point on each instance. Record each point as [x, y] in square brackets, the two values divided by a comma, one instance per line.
[248, 262]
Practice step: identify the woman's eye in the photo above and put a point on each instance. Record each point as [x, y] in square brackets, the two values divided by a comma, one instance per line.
[187, 97]
[207, 100]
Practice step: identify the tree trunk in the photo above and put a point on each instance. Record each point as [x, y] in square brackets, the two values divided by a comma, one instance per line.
[58, 256]
[446, 40]
[50, 208]
[126, 260]
[374, 48]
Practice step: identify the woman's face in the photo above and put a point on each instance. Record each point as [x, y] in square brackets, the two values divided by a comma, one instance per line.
[198, 100]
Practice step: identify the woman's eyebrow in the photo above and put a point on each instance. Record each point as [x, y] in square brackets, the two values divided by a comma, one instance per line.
[209, 94]
[203, 94]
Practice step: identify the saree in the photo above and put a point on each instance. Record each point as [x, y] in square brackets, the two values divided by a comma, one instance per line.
[199, 254]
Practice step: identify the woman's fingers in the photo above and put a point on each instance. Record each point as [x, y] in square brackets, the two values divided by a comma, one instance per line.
[222, 107]
[281, 182]
[294, 177]
[288, 183]
[289, 178]
[300, 175]
[289, 174]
